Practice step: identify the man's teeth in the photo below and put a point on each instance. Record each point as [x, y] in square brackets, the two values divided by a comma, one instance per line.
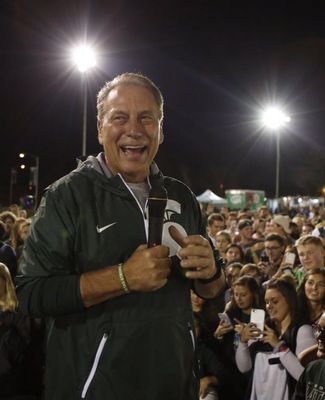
[132, 148]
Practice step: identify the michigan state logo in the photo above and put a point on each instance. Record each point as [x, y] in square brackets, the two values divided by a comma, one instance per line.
[172, 207]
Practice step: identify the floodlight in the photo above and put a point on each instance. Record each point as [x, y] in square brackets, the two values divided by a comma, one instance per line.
[274, 118]
[84, 57]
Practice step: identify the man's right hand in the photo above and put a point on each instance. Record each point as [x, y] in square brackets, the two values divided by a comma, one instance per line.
[148, 268]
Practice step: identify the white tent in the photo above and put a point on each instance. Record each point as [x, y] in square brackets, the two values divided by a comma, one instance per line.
[209, 197]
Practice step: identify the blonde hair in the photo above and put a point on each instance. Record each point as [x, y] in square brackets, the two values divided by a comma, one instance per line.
[9, 301]
[309, 239]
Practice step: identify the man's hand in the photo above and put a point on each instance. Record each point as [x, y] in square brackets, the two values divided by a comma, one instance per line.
[196, 255]
[147, 269]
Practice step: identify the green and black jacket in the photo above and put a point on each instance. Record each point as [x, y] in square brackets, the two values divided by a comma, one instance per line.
[135, 346]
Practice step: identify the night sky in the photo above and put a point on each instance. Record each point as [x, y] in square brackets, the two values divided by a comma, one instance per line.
[216, 62]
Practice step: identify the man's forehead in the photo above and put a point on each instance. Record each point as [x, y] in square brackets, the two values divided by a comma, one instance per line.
[125, 93]
[307, 246]
[273, 243]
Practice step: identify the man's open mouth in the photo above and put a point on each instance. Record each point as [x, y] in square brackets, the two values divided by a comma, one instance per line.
[133, 149]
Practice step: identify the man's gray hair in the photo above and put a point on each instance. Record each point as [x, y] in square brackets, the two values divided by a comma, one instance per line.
[129, 78]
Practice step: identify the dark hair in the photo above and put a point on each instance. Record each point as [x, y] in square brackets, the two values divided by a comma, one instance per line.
[288, 291]
[275, 237]
[250, 283]
[243, 223]
[303, 303]
[237, 247]
[215, 217]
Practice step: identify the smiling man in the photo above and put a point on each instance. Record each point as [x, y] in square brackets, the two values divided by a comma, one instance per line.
[118, 313]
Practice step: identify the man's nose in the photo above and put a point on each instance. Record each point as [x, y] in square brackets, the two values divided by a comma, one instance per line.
[135, 127]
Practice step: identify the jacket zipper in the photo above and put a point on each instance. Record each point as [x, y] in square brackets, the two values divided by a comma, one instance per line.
[192, 335]
[94, 366]
[194, 347]
[145, 219]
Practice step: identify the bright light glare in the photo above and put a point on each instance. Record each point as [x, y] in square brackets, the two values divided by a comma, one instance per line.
[273, 118]
[84, 58]
[21, 155]
[23, 166]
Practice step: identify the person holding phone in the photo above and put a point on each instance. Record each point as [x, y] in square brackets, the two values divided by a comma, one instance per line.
[271, 259]
[273, 359]
[246, 295]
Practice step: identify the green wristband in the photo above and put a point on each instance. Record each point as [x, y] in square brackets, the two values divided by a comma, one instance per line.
[122, 278]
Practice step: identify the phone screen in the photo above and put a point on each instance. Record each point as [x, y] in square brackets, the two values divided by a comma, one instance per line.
[225, 318]
[257, 318]
[264, 259]
[289, 259]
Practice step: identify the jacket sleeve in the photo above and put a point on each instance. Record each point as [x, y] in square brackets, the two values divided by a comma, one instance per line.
[305, 339]
[243, 358]
[49, 284]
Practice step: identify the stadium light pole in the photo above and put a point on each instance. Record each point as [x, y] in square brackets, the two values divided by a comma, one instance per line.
[84, 59]
[274, 119]
[35, 173]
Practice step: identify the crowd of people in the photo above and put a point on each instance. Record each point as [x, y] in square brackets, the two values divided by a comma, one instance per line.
[274, 265]
[21, 337]
[253, 248]
[120, 314]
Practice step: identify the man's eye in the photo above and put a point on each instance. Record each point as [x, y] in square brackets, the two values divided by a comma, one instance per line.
[119, 118]
[146, 118]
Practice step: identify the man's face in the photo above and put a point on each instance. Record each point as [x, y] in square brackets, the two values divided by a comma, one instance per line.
[275, 228]
[247, 232]
[130, 131]
[274, 250]
[215, 227]
[306, 229]
[320, 336]
[311, 256]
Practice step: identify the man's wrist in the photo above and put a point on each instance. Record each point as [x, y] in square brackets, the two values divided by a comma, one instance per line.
[218, 271]
[122, 278]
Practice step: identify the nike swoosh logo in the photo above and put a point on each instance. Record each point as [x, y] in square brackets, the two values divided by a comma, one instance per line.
[100, 230]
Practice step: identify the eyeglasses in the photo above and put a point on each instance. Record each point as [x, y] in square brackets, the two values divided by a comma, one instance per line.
[319, 331]
[272, 248]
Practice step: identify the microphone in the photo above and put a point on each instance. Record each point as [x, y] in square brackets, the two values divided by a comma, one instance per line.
[156, 207]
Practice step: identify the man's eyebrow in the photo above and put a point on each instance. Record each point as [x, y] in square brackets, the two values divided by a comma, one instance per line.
[117, 111]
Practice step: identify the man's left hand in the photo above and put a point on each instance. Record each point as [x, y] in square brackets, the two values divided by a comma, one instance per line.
[196, 255]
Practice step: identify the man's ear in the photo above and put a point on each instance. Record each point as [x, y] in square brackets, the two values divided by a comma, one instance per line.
[99, 132]
[162, 136]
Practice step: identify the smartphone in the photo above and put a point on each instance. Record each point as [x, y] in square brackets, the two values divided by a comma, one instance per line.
[225, 319]
[289, 259]
[265, 259]
[257, 318]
